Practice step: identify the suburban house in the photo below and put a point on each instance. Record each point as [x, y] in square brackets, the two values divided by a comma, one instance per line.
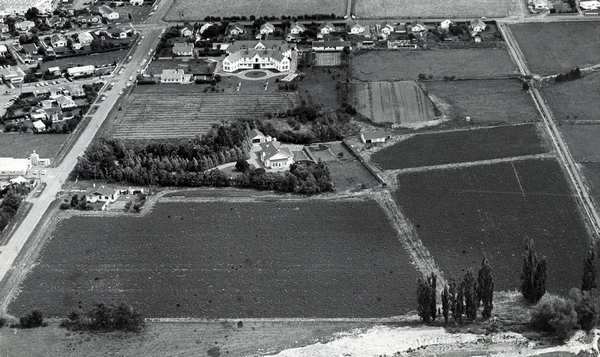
[56, 22]
[39, 126]
[478, 25]
[267, 28]
[202, 69]
[4, 28]
[174, 76]
[3, 50]
[136, 2]
[386, 29]
[417, 27]
[321, 46]
[108, 13]
[297, 28]
[117, 32]
[85, 38]
[81, 71]
[65, 102]
[30, 49]
[47, 103]
[39, 114]
[236, 29]
[55, 71]
[272, 54]
[187, 30]
[101, 194]
[183, 49]
[541, 5]
[357, 29]
[445, 25]
[24, 25]
[257, 137]
[377, 136]
[54, 114]
[325, 29]
[12, 74]
[274, 156]
[74, 90]
[58, 40]
[205, 27]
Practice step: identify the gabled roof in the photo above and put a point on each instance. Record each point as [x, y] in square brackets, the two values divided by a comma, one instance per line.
[298, 26]
[268, 26]
[105, 9]
[236, 26]
[417, 23]
[376, 134]
[264, 54]
[279, 45]
[39, 125]
[328, 25]
[105, 191]
[477, 22]
[254, 133]
[273, 151]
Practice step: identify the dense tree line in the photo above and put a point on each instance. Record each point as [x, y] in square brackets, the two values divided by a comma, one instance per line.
[12, 196]
[106, 318]
[572, 74]
[533, 277]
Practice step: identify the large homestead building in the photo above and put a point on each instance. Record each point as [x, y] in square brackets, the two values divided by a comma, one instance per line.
[259, 54]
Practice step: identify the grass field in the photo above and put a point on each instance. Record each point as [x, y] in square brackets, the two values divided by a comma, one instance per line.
[437, 9]
[460, 146]
[174, 112]
[591, 171]
[318, 87]
[583, 141]
[22, 145]
[98, 59]
[189, 10]
[402, 103]
[327, 59]
[485, 101]
[575, 100]
[551, 48]
[216, 260]
[406, 65]
[462, 214]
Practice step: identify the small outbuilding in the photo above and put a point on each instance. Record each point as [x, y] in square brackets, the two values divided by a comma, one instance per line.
[377, 136]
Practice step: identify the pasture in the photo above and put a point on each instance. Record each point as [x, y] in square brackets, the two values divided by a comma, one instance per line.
[583, 141]
[327, 59]
[188, 10]
[552, 48]
[402, 103]
[164, 111]
[423, 9]
[574, 100]
[407, 65]
[22, 145]
[499, 101]
[462, 214]
[318, 258]
[461, 146]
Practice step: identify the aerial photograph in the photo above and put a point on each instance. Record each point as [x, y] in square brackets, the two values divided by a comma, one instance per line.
[317, 178]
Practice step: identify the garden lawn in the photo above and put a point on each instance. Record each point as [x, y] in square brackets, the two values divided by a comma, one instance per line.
[226, 260]
[552, 48]
[462, 214]
[22, 145]
[461, 146]
[485, 101]
[407, 65]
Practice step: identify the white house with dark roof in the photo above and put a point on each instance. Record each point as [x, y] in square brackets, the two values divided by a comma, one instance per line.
[257, 137]
[325, 29]
[357, 29]
[183, 49]
[376, 136]
[478, 25]
[275, 156]
[267, 28]
[260, 54]
[58, 40]
[108, 13]
[297, 28]
[187, 30]
[236, 29]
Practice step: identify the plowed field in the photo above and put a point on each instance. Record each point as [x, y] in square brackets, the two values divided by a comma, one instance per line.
[437, 9]
[402, 103]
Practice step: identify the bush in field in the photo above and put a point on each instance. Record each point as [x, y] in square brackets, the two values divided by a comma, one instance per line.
[556, 316]
[533, 277]
[106, 318]
[34, 319]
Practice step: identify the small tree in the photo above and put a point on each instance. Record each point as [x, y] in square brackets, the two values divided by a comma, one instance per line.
[242, 165]
[470, 293]
[485, 288]
[35, 319]
[446, 303]
[555, 315]
[589, 270]
[426, 305]
[586, 306]
[533, 277]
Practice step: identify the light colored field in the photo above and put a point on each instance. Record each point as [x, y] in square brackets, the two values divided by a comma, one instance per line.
[406, 65]
[193, 10]
[437, 8]
[160, 113]
[328, 59]
[403, 103]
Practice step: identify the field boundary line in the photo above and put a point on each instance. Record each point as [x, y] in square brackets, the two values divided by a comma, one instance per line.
[401, 318]
[518, 179]
[546, 155]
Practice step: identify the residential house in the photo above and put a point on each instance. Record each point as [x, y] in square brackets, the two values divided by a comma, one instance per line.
[325, 29]
[11, 167]
[183, 49]
[56, 22]
[297, 28]
[376, 136]
[39, 114]
[320, 46]
[39, 126]
[417, 27]
[81, 70]
[55, 71]
[24, 25]
[58, 40]
[4, 28]
[85, 38]
[3, 50]
[65, 102]
[12, 74]
[267, 28]
[74, 90]
[108, 13]
[261, 54]
[174, 76]
[117, 32]
[386, 29]
[236, 29]
[47, 103]
[101, 194]
[136, 2]
[187, 30]
[257, 137]
[205, 27]
[54, 114]
[589, 5]
[541, 5]
[357, 29]
[478, 25]
[202, 69]
[275, 156]
[445, 25]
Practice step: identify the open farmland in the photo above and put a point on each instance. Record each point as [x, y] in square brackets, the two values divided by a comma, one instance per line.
[189, 10]
[406, 65]
[485, 101]
[168, 112]
[423, 9]
[460, 146]
[402, 103]
[318, 258]
[575, 100]
[462, 214]
[552, 48]
[583, 142]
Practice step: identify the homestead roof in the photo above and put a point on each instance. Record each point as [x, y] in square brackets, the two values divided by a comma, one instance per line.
[279, 45]
[376, 134]
[263, 54]
[328, 25]
[254, 133]
[105, 191]
[274, 150]
[267, 26]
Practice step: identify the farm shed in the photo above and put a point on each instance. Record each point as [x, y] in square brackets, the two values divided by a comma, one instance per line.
[377, 136]
[257, 137]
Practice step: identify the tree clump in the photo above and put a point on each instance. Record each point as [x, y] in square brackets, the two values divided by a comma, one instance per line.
[106, 318]
[533, 277]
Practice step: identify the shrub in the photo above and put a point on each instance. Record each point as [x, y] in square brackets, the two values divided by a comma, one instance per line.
[2, 322]
[35, 319]
[105, 318]
[65, 205]
[555, 315]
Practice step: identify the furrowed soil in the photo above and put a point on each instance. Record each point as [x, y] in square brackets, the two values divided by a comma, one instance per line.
[338, 258]
[552, 48]
[406, 65]
[460, 146]
[463, 214]
[500, 101]
[575, 101]
[420, 9]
